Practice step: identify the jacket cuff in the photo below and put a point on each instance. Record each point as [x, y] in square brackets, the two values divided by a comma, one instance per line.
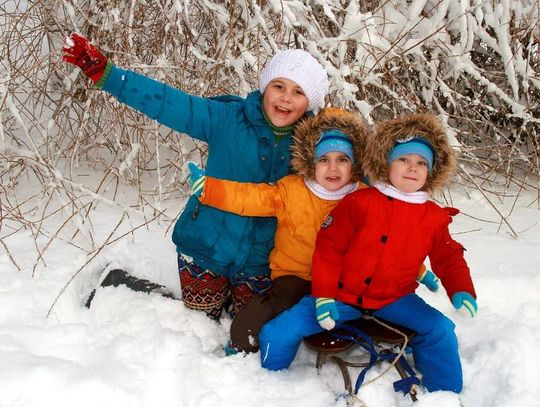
[105, 75]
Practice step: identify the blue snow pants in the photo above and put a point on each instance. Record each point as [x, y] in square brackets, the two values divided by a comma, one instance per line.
[434, 347]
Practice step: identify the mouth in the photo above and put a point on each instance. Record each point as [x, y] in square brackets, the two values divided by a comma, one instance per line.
[282, 109]
[333, 179]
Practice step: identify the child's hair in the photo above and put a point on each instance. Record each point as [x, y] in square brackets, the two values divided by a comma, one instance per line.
[424, 126]
[302, 68]
[308, 132]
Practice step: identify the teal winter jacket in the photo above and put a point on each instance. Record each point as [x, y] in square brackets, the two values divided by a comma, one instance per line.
[241, 147]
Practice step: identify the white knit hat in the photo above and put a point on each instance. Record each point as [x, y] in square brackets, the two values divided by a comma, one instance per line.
[300, 67]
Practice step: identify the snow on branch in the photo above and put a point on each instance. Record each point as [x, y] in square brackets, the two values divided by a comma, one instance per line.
[473, 62]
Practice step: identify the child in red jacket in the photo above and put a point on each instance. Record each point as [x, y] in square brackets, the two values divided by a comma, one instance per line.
[370, 247]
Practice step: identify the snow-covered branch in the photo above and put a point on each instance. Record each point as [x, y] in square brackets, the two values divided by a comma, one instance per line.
[473, 62]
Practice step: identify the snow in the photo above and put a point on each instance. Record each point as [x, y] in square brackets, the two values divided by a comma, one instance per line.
[134, 349]
[69, 43]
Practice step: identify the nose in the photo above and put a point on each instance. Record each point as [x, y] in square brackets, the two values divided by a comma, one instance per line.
[286, 95]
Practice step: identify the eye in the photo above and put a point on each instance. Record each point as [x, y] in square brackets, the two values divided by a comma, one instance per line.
[403, 159]
[300, 92]
[344, 159]
[422, 163]
[277, 86]
[323, 159]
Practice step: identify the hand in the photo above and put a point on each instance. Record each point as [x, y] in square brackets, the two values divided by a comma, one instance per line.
[196, 178]
[464, 303]
[430, 280]
[80, 52]
[327, 312]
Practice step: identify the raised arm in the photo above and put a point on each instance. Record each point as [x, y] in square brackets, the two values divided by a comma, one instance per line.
[169, 106]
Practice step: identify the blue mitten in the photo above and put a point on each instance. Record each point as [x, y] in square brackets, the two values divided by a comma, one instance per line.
[430, 280]
[196, 178]
[464, 303]
[229, 349]
[327, 312]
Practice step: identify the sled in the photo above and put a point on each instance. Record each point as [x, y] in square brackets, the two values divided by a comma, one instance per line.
[378, 338]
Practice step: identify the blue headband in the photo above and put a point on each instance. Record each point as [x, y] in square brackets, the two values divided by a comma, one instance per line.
[415, 145]
[334, 140]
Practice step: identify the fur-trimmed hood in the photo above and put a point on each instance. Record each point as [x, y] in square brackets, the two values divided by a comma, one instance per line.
[423, 125]
[307, 133]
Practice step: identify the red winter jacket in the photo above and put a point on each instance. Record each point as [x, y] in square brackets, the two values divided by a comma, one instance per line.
[370, 248]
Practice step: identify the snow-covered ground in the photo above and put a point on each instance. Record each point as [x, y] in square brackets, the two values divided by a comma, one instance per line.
[134, 349]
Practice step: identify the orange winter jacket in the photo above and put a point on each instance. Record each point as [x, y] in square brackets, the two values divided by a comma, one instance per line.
[299, 214]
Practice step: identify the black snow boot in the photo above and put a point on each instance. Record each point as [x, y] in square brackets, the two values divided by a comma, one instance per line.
[118, 276]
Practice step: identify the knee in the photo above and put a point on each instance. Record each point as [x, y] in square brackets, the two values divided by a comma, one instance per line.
[278, 345]
[278, 334]
[443, 329]
[437, 328]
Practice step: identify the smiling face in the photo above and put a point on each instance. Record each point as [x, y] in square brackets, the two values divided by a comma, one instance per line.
[409, 172]
[284, 102]
[333, 170]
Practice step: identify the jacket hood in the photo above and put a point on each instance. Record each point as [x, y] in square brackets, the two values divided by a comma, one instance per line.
[308, 132]
[423, 125]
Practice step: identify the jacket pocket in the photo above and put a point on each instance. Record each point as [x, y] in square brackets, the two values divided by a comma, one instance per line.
[207, 233]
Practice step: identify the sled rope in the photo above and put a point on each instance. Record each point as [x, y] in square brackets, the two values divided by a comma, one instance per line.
[399, 354]
[406, 384]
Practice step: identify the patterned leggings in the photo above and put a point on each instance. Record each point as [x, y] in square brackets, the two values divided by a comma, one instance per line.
[207, 291]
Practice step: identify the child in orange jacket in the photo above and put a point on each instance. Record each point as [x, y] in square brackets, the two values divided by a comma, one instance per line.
[369, 249]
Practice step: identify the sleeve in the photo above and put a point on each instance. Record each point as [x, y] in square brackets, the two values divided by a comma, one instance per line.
[242, 198]
[421, 271]
[332, 243]
[448, 263]
[174, 108]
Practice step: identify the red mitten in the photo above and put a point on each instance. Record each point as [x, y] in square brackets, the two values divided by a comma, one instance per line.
[80, 52]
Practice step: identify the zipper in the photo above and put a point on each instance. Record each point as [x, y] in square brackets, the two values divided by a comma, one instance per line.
[195, 212]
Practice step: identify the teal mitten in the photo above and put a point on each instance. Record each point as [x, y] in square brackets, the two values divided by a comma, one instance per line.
[464, 303]
[430, 280]
[327, 312]
[196, 178]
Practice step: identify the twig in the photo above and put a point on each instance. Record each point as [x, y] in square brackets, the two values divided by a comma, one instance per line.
[503, 218]
[96, 252]
[9, 254]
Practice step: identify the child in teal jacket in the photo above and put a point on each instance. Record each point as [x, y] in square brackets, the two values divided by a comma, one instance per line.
[222, 255]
